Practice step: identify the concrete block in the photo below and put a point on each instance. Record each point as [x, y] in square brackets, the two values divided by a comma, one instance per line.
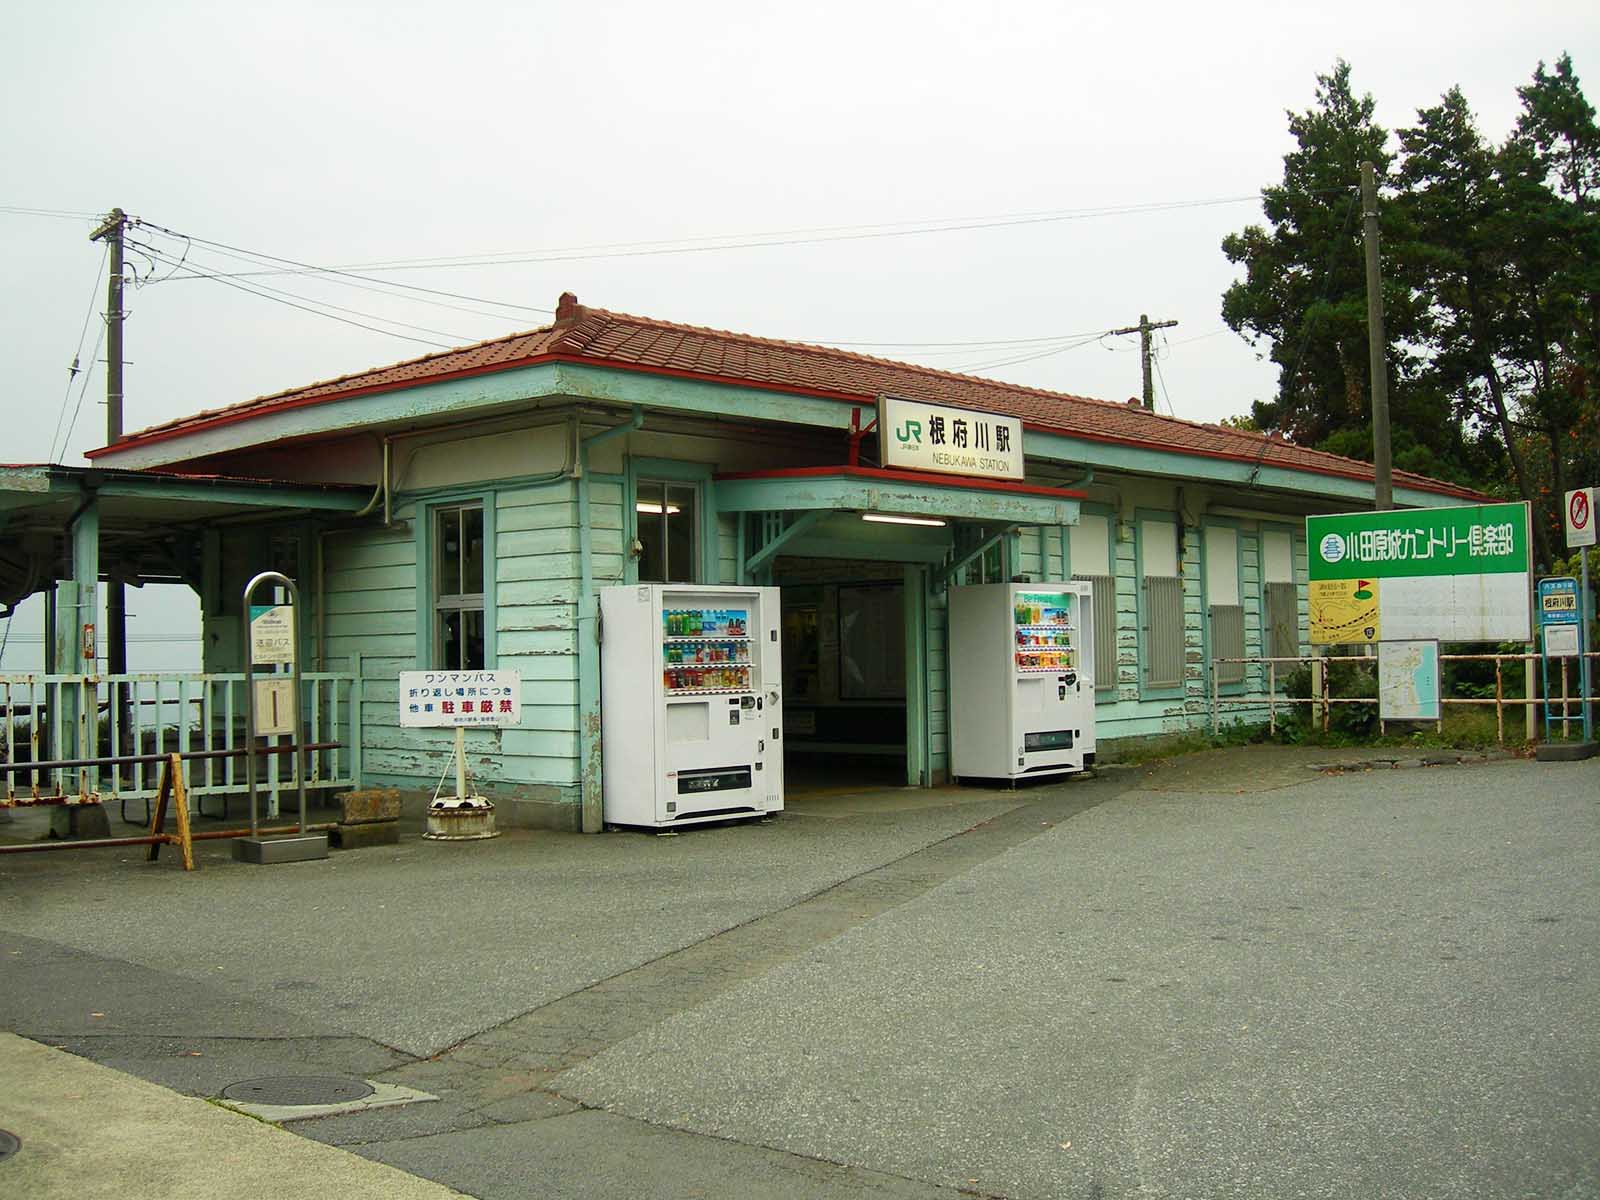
[364, 833]
[369, 804]
[79, 821]
[1564, 751]
[294, 847]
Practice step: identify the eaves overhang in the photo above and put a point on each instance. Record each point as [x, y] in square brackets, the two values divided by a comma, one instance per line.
[882, 491]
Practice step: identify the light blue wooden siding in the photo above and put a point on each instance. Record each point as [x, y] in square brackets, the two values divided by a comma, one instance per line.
[1040, 553]
[371, 592]
[1030, 557]
[374, 588]
[537, 580]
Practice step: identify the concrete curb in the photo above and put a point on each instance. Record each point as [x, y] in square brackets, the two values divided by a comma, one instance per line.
[1430, 758]
[90, 1132]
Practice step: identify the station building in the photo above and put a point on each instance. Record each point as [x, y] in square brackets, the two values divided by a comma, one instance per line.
[461, 510]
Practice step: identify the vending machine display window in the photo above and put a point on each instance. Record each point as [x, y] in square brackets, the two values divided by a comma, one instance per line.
[705, 650]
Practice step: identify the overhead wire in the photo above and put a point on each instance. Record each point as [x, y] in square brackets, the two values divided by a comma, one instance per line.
[1155, 361]
[756, 241]
[337, 271]
[77, 352]
[19, 210]
[253, 290]
[380, 287]
[94, 356]
[1009, 362]
[934, 224]
[458, 338]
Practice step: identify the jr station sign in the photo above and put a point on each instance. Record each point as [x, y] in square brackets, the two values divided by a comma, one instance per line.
[951, 441]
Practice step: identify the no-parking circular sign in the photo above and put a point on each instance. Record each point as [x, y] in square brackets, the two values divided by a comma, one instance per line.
[1580, 517]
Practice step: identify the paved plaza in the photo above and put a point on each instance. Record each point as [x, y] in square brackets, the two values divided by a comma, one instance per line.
[1228, 975]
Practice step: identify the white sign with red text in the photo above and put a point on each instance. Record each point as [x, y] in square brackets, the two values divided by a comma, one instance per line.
[464, 699]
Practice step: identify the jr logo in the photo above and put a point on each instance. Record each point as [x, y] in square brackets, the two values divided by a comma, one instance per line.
[910, 431]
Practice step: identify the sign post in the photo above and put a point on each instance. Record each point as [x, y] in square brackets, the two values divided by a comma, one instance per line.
[1580, 519]
[460, 700]
[272, 708]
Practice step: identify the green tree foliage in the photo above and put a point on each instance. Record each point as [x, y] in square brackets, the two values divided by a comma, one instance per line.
[1491, 260]
[1304, 291]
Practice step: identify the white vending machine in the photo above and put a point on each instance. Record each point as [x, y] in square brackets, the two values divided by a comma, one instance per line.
[1021, 679]
[691, 703]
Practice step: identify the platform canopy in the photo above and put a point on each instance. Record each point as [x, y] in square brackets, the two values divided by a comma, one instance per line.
[883, 515]
[143, 525]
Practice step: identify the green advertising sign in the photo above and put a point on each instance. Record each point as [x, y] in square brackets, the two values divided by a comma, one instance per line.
[1482, 539]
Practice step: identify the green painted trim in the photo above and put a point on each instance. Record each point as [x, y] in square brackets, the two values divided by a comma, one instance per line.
[914, 591]
[671, 470]
[700, 397]
[510, 483]
[1141, 617]
[760, 560]
[24, 486]
[422, 536]
[846, 494]
[1171, 464]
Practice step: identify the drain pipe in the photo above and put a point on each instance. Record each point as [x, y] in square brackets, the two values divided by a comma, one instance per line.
[588, 633]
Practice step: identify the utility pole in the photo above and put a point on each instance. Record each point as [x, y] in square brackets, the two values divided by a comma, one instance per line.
[111, 229]
[1377, 348]
[1144, 328]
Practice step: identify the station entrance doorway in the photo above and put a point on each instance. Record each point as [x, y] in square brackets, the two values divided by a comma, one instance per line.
[846, 678]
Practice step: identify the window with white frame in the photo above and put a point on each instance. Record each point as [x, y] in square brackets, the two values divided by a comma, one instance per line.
[666, 518]
[458, 566]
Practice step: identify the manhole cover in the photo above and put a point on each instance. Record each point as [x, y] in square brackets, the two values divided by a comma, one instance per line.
[9, 1145]
[290, 1090]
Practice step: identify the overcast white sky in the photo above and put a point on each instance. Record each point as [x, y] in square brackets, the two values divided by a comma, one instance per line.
[350, 133]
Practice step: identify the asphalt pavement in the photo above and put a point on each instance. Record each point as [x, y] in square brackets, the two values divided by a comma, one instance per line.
[1223, 976]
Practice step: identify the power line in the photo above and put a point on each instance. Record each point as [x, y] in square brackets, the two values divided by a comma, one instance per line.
[18, 210]
[1008, 362]
[380, 287]
[753, 241]
[77, 353]
[66, 439]
[1058, 337]
[312, 269]
[163, 256]
[252, 290]
[1161, 376]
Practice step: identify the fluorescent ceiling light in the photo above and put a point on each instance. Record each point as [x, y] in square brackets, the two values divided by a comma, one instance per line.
[645, 507]
[887, 519]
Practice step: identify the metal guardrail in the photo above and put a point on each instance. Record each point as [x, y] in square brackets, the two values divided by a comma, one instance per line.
[1273, 699]
[139, 719]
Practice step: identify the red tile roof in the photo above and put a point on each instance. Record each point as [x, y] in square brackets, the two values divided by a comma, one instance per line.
[597, 337]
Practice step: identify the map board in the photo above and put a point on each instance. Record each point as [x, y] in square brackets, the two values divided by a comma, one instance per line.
[1408, 681]
[1446, 574]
